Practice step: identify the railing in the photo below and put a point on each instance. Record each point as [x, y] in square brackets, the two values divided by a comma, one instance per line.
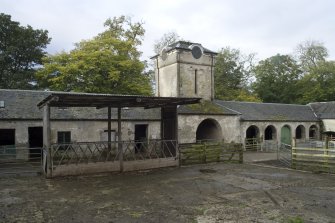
[269, 146]
[314, 159]
[19, 159]
[205, 152]
[7, 153]
[92, 152]
[252, 144]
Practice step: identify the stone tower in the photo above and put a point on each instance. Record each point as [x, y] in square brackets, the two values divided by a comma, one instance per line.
[185, 69]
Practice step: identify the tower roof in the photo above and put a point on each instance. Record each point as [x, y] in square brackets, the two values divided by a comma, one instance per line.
[186, 46]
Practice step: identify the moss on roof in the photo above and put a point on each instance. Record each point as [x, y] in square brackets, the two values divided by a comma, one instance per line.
[279, 118]
[207, 107]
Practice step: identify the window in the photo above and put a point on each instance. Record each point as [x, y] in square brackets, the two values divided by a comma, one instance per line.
[195, 81]
[2, 104]
[64, 137]
[104, 136]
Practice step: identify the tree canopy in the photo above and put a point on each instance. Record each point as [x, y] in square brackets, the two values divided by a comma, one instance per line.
[276, 79]
[108, 63]
[232, 73]
[310, 53]
[167, 39]
[21, 51]
[318, 84]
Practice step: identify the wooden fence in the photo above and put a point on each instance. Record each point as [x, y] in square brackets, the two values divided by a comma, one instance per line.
[198, 153]
[313, 159]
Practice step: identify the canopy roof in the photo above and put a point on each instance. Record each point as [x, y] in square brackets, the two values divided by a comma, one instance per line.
[70, 99]
[329, 125]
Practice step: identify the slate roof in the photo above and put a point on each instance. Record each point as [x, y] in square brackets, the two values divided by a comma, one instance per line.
[184, 45]
[251, 111]
[22, 104]
[324, 110]
[205, 108]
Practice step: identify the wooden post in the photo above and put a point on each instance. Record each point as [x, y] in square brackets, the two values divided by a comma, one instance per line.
[177, 154]
[109, 129]
[294, 142]
[119, 138]
[293, 157]
[47, 140]
[326, 153]
[240, 148]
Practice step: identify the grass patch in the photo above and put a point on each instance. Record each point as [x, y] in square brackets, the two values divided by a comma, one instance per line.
[297, 219]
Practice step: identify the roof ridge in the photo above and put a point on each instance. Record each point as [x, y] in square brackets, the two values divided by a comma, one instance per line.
[267, 103]
[228, 108]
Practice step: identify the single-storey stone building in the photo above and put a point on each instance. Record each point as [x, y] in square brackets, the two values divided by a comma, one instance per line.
[182, 69]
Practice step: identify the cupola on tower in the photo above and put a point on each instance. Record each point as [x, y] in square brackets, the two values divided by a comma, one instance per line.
[185, 69]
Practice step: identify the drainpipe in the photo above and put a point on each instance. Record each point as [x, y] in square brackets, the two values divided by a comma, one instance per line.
[157, 83]
[178, 74]
[212, 78]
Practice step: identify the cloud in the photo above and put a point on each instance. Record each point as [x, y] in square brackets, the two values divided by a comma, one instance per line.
[265, 27]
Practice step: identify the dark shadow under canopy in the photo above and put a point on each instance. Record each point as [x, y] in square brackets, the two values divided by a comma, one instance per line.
[70, 99]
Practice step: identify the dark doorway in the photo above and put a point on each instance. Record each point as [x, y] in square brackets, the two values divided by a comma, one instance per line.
[270, 133]
[252, 132]
[7, 137]
[141, 132]
[300, 132]
[313, 132]
[7, 144]
[208, 130]
[35, 141]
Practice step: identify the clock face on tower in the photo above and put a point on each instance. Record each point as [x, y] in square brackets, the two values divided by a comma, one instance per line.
[196, 52]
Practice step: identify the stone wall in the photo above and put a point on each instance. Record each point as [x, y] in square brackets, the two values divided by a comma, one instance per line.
[167, 83]
[81, 131]
[261, 125]
[188, 124]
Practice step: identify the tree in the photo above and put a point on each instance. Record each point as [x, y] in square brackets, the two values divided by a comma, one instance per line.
[232, 73]
[108, 63]
[310, 53]
[165, 40]
[276, 79]
[21, 51]
[318, 84]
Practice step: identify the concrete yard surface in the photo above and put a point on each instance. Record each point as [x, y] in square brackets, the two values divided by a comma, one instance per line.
[200, 193]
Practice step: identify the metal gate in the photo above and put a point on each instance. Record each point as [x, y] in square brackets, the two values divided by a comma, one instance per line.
[252, 144]
[285, 154]
[19, 160]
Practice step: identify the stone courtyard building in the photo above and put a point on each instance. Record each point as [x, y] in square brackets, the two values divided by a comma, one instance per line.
[182, 69]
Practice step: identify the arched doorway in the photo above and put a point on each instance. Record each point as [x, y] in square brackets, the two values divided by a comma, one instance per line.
[209, 129]
[313, 132]
[252, 132]
[300, 132]
[270, 133]
[252, 139]
[286, 137]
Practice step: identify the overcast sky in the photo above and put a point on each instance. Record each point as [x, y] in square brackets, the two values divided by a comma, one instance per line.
[265, 27]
